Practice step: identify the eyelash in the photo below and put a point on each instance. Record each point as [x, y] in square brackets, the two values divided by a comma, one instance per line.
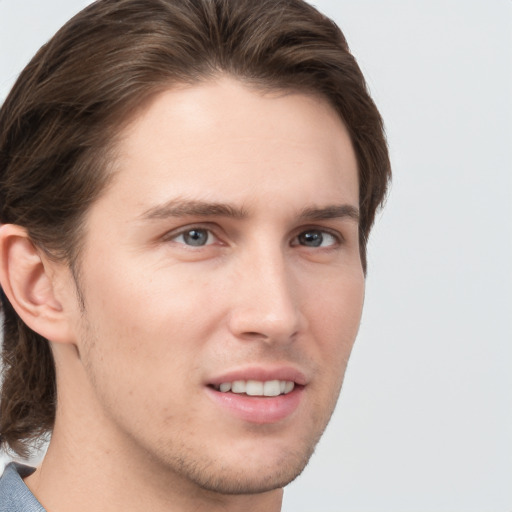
[183, 233]
[336, 236]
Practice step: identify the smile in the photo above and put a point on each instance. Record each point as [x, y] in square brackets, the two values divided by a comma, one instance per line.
[257, 388]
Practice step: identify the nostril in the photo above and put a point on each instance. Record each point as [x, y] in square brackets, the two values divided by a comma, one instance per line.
[254, 336]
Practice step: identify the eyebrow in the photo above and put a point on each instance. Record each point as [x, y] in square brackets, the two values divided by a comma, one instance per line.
[193, 208]
[330, 212]
[196, 208]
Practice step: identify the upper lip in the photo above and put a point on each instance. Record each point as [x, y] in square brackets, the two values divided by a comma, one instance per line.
[261, 373]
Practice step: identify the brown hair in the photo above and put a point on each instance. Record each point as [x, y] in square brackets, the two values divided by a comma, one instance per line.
[58, 124]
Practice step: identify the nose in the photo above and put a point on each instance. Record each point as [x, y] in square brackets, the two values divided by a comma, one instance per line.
[266, 303]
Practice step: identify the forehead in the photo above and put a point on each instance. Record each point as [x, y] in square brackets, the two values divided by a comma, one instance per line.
[224, 141]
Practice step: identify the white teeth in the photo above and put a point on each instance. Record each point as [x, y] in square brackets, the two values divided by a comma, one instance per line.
[225, 386]
[272, 388]
[254, 388]
[289, 386]
[258, 388]
[238, 386]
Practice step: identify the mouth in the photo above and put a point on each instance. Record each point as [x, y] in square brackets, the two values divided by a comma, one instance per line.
[257, 395]
[268, 388]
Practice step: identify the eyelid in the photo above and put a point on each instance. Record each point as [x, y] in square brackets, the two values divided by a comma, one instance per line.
[337, 235]
[213, 229]
[169, 236]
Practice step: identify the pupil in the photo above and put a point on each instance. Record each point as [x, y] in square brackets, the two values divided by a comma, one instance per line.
[311, 238]
[196, 237]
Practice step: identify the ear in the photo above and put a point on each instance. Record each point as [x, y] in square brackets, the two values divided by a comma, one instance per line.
[27, 279]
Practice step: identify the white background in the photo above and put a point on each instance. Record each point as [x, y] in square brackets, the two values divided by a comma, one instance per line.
[425, 419]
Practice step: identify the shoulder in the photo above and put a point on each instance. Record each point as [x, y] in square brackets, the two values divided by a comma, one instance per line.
[15, 496]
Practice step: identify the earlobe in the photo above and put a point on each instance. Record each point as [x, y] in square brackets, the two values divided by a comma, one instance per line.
[28, 282]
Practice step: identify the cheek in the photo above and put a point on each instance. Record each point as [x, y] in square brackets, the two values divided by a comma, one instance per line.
[132, 300]
[145, 324]
[336, 306]
[334, 315]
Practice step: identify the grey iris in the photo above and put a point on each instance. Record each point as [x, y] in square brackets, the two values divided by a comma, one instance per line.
[311, 238]
[196, 237]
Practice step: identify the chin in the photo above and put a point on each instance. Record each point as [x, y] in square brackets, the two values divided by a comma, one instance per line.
[237, 472]
[251, 480]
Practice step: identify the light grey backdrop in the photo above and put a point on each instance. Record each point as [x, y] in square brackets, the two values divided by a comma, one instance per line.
[425, 418]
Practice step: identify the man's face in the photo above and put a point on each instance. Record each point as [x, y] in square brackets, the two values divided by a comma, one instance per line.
[224, 251]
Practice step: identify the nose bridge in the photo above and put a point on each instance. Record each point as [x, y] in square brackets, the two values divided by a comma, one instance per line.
[266, 304]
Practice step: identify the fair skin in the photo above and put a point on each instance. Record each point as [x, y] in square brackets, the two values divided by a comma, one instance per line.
[225, 249]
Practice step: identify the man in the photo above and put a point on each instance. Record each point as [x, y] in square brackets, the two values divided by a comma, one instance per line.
[187, 190]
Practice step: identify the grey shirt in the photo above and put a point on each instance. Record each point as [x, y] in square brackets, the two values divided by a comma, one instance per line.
[15, 496]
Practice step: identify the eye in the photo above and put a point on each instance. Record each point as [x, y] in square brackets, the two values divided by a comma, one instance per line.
[195, 237]
[316, 238]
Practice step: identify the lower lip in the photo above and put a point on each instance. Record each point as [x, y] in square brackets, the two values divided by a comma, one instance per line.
[256, 409]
